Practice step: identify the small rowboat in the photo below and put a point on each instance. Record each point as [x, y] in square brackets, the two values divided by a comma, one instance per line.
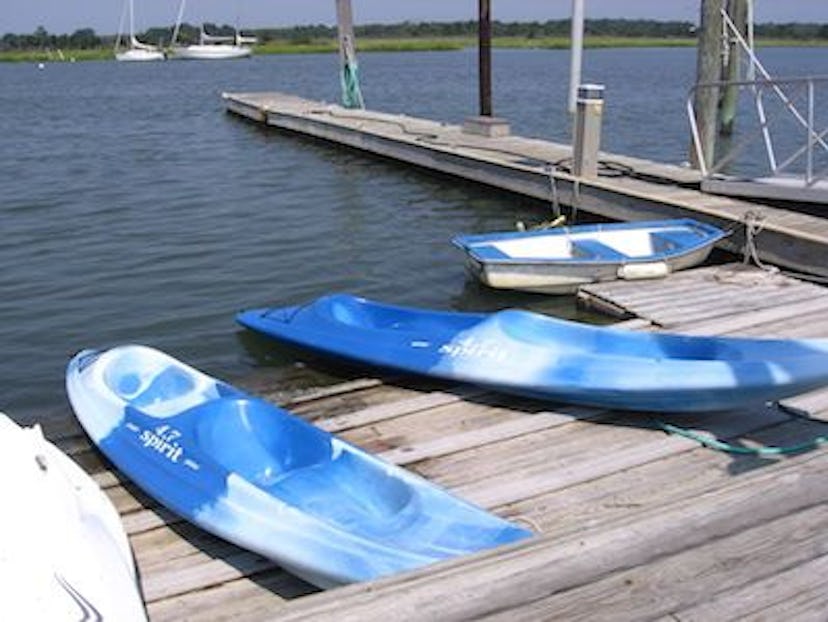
[559, 260]
[64, 554]
[263, 478]
[536, 355]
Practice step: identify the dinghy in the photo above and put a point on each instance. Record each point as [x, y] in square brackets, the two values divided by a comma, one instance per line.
[559, 260]
[264, 479]
[536, 355]
[63, 551]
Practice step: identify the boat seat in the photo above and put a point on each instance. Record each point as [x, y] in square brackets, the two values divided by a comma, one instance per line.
[259, 441]
[488, 252]
[672, 240]
[593, 249]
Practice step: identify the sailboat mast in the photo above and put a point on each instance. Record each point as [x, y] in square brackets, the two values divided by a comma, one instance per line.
[120, 28]
[178, 22]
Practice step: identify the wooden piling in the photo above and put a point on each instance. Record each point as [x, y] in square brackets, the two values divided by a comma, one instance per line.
[351, 94]
[708, 70]
[485, 56]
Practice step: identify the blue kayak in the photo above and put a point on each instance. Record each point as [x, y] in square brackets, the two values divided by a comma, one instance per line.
[263, 478]
[536, 355]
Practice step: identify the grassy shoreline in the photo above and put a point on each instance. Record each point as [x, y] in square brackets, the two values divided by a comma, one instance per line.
[415, 45]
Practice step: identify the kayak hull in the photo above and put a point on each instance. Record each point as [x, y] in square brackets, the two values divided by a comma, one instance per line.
[535, 355]
[264, 479]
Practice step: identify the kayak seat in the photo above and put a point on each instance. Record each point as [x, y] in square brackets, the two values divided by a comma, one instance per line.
[347, 310]
[258, 441]
[157, 390]
[170, 384]
[354, 492]
[595, 250]
[351, 311]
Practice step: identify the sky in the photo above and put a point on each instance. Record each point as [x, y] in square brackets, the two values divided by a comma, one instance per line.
[66, 16]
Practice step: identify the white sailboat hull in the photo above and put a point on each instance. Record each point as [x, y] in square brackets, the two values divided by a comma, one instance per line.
[211, 52]
[139, 55]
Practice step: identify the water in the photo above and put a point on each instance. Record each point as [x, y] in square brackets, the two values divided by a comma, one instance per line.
[134, 209]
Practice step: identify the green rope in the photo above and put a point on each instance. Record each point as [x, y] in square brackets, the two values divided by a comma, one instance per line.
[719, 445]
[351, 93]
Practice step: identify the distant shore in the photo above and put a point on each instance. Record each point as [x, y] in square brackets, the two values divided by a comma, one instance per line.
[413, 44]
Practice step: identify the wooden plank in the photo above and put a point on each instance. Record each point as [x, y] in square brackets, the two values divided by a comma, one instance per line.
[737, 299]
[198, 572]
[160, 546]
[812, 404]
[498, 432]
[799, 593]
[781, 317]
[266, 591]
[524, 467]
[692, 576]
[805, 326]
[684, 475]
[702, 282]
[726, 312]
[144, 520]
[672, 313]
[388, 410]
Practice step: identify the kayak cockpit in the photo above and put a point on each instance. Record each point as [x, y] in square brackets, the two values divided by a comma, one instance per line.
[302, 465]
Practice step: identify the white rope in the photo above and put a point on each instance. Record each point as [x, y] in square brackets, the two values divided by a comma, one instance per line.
[576, 199]
[754, 224]
[553, 187]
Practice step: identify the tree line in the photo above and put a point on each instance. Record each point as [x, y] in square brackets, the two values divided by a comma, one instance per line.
[87, 38]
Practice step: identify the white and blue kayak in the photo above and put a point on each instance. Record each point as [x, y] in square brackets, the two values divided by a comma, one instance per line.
[559, 260]
[540, 356]
[264, 479]
[64, 554]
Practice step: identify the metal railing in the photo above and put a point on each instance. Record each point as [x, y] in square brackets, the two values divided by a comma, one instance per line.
[800, 159]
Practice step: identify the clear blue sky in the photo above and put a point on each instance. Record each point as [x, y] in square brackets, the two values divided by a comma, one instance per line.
[66, 16]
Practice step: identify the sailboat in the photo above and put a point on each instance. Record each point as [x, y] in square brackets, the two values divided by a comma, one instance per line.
[210, 47]
[135, 50]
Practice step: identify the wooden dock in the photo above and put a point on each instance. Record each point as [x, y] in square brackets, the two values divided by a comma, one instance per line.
[632, 523]
[627, 188]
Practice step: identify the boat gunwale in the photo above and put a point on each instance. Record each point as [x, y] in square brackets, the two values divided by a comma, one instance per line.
[468, 243]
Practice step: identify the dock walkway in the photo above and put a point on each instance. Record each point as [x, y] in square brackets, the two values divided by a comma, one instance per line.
[630, 188]
[632, 523]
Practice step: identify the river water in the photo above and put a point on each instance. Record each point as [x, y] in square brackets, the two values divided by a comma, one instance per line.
[134, 209]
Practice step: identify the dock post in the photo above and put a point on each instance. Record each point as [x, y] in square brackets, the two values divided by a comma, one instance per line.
[708, 70]
[485, 124]
[589, 110]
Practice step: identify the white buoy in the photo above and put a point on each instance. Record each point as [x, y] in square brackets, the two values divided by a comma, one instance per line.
[41, 66]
